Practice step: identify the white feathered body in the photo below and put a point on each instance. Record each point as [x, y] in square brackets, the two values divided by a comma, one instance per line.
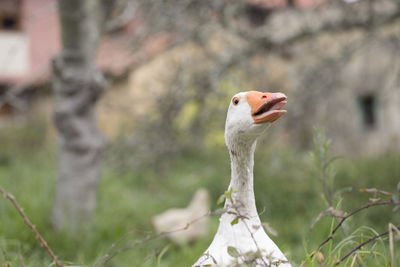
[240, 237]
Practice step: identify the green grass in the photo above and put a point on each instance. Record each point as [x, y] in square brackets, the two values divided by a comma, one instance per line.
[285, 186]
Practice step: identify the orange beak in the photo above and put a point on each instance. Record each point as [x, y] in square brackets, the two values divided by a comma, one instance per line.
[266, 107]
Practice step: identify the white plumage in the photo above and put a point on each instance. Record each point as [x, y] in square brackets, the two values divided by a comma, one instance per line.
[177, 219]
[240, 237]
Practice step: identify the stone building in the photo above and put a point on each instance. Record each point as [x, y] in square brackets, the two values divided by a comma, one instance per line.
[30, 38]
[345, 80]
[354, 94]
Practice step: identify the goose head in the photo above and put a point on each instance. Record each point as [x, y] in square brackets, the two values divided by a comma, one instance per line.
[250, 114]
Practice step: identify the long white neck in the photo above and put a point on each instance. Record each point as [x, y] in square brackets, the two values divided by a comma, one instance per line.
[242, 163]
[245, 235]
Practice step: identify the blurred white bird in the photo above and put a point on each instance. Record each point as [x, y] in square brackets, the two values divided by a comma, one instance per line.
[193, 217]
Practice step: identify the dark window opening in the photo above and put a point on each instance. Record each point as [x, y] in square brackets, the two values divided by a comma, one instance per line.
[3, 89]
[367, 105]
[5, 108]
[9, 23]
[10, 15]
[257, 15]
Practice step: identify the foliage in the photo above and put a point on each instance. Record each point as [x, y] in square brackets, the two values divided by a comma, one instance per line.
[284, 187]
[364, 246]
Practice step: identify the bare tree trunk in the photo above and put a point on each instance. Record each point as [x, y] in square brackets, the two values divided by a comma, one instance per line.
[77, 86]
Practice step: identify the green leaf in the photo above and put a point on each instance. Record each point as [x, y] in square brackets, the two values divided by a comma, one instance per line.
[221, 199]
[228, 194]
[331, 160]
[163, 251]
[235, 221]
[233, 252]
[339, 192]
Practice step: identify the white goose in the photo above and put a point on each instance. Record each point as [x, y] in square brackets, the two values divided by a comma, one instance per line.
[240, 229]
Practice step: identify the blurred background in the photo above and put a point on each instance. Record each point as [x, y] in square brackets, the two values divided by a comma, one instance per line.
[113, 111]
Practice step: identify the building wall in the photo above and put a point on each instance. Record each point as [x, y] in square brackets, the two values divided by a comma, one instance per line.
[353, 93]
[347, 82]
[26, 50]
[14, 55]
[42, 28]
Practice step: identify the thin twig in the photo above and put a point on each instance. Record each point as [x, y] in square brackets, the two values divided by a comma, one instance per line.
[108, 256]
[392, 240]
[124, 237]
[391, 245]
[376, 191]
[373, 204]
[207, 256]
[363, 244]
[21, 260]
[43, 242]
[353, 261]
[243, 218]
[148, 257]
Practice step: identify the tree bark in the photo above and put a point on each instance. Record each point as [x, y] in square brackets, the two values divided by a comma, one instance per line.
[77, 86]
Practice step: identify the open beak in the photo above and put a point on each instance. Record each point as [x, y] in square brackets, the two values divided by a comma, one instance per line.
[266, 107]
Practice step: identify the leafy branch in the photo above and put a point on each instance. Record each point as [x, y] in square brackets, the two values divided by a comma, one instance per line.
[323, 170]
[365, 243]
[394, 201]
[250, 257]
[344, 218]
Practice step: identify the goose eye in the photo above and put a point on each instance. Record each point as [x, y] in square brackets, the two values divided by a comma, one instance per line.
[235, 101]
